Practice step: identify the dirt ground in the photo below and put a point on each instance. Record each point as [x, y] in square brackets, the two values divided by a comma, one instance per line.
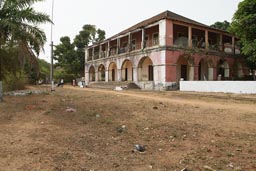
[196, 131]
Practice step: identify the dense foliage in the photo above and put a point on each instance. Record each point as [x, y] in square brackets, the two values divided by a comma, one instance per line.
[221, 25]
[244, 26]
[20, 40]
[70, 56]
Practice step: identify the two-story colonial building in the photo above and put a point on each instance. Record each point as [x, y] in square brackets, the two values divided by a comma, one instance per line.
[156, 53]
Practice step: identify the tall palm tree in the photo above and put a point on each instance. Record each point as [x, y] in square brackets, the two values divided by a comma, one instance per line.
[19, 22]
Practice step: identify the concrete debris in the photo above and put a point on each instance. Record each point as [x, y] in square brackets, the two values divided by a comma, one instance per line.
[23, 92]
[140, 148]
[208, 168]
[70, 110]
[121, 129]
[185, 169]
[118, 89]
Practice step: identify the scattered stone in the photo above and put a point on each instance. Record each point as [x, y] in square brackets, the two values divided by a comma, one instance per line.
[140, 148]
[118, 88]
[150, 167]
[238, 168]
[121, 129]
[97, 115]
[185, 169]
[208, 168]
[70, 110]
[155, 107]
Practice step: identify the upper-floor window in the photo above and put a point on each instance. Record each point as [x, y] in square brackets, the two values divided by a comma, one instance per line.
[155, 39]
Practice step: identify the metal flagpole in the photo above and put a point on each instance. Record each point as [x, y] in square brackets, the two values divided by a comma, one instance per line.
[51, 74]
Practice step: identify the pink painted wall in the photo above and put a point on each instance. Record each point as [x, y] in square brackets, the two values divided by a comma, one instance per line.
[169, 33]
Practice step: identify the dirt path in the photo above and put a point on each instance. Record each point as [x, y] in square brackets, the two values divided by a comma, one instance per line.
[206, 103]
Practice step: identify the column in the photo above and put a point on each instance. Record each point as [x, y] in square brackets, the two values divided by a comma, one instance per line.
[190, 37]
[142, 38]
[100, 51]
[129, 42]
[108, 49]
[96, 76]
[221, 43]
[191, 73]
[106, 75]
[233, 44]
[206, 40]
[86, 54]
[135, 74]
[118, 45]
[93, 53]
[169, 33]
[210, 73]
[119, 74]
[196, 72]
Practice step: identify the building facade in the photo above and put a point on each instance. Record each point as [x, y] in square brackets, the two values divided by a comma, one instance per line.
[156, 53]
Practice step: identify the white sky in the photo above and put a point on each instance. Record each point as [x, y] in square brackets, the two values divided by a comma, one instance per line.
[114, 16]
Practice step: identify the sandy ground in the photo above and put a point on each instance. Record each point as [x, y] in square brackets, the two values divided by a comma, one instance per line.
[196, 131]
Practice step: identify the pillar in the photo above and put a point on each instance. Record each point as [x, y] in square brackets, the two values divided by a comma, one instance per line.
[233, 44]
[96, 76]
[196, 72]
[210, 74]
[129, 42]
[142, 38]
[191, 73]
[135, 74]
[108, 49]
[93, 53]
[106, 75]
[190, 37]
[119, 74]
[221, 43]
[118, 46]
[169, 32]
[86, 54]
[206, 40]
[100, 51]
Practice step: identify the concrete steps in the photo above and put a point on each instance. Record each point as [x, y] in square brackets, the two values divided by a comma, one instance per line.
[113, 85]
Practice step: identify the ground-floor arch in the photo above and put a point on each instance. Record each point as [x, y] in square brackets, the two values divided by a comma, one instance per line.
[205, 69]
[92, 73]
[145, 69]
[112, 72]
[127, 72]
[101, 73]
[223, 70]
[185, 68]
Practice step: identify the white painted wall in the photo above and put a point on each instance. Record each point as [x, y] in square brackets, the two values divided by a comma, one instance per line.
[241, 87]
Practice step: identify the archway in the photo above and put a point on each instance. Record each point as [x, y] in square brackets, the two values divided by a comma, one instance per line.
[145, 69]
[92, 73]
[112, 72]
[223, 70]
[238, 70]
[101, 73]
[127, 74]
[184, 68]
[205, 69]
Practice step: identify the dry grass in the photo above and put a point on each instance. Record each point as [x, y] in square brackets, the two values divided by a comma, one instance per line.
[179, 130]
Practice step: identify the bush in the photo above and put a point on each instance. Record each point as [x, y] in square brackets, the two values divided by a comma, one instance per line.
[14, 82]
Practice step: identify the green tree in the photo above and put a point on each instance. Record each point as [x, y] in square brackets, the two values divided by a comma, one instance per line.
[221, 25]
[70, 56]
[18, 23]
[66, 56]
[244, 26]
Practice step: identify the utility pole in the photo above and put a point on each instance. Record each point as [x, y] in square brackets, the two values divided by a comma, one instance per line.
[51, 69]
